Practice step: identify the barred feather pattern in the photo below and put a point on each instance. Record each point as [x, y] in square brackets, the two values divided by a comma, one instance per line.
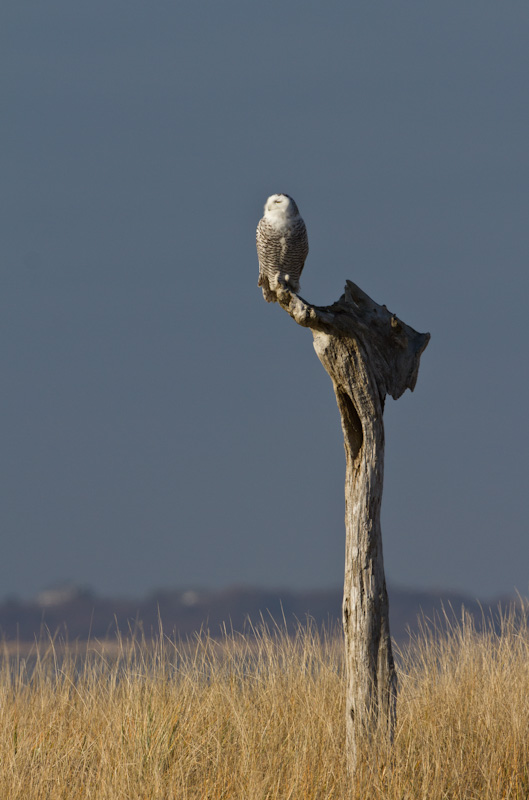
[282, 250]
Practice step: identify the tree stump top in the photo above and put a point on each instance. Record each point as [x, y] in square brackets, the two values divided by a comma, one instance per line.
[393, 348]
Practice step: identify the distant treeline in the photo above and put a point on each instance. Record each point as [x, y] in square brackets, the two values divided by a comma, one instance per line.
[80, 614]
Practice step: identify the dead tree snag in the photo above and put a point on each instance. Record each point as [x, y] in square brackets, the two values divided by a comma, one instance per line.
[368, 353]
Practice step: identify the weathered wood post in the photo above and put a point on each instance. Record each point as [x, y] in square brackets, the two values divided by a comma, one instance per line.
[368, 353]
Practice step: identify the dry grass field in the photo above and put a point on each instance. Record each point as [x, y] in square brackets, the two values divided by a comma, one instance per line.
[261, 717]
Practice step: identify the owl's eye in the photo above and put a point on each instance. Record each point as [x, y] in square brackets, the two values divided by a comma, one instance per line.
[277, 201]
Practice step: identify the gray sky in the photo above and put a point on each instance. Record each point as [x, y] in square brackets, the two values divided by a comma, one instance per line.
[161, 424]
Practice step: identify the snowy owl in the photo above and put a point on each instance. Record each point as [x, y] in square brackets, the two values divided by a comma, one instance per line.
[282, 246]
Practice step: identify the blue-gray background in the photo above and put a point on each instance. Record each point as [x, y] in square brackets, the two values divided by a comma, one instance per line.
[160, 424]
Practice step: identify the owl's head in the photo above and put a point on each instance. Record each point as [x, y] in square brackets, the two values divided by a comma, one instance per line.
[280, 207]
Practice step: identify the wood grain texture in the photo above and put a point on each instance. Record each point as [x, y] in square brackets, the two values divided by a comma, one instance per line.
[368, 353]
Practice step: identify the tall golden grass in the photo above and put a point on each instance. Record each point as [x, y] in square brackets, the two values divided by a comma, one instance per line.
[261, 716]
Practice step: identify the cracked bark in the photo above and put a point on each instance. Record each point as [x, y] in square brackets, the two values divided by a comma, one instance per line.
[368, 353]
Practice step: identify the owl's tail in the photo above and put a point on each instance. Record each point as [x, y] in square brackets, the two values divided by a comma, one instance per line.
[268, 294]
